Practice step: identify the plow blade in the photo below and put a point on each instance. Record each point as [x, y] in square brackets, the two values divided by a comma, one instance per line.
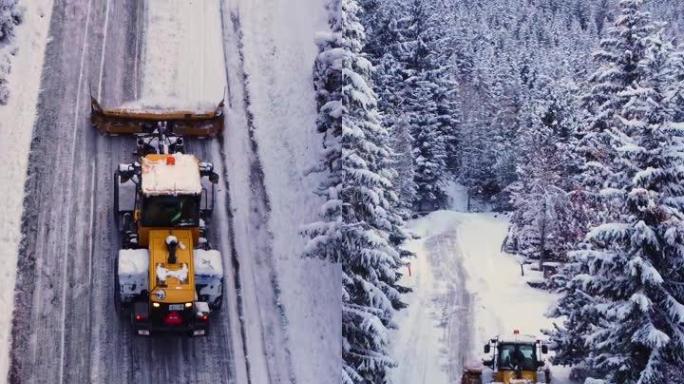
[122, 121]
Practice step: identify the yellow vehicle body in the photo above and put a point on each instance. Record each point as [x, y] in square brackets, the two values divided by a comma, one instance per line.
[176, 291]
[510, 360]
[510, 377]
[163, 226]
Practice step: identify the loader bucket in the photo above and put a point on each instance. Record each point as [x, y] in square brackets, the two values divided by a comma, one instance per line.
[122, 121]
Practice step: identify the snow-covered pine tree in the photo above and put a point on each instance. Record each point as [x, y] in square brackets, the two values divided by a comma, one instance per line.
[618, 55]
[506, 124]
[370, 232]
[11, 15]
[632, 276]
[429, 150]
[384, 50]
[325, 235]
[675, 86]
[402, 146]
[542, 208]
[424, 83]
[579, 313]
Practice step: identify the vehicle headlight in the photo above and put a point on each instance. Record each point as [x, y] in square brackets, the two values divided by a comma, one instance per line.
[156, 305]
[188, 305]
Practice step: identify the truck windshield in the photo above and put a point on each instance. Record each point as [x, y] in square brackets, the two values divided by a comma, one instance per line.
[170, 211]
[517, 356]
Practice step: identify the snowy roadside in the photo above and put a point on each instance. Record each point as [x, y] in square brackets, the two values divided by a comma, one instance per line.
[431, 341]
[16, 127]
[185, 69]
[278, 52]
[499, 300]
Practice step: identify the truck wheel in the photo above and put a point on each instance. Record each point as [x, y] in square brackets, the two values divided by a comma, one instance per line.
[117, 288]
[216, 305]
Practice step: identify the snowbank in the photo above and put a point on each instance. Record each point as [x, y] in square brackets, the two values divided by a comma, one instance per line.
[279, 53]
[16, 126]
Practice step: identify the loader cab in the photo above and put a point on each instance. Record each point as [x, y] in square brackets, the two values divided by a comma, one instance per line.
[163, 191]
[180, 211]
[517, 358]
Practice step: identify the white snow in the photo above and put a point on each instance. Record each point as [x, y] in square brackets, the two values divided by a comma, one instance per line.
[499, 300]
[171, 104]
[133, 262]
[16, 126]
[164, 273]
[209, 273]
[181, 176]
[208, 262]
[132, 271]
[458, 196]
[183, 66]
[279, 53]
[503, 301]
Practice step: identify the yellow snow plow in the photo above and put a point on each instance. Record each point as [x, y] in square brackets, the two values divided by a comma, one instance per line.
[128, 121]
[167, 277]
[516, 360]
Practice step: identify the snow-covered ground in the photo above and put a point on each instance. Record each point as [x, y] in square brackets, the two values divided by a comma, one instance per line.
[275, 42]
[466, 290]
[182, 65]
[16, 126]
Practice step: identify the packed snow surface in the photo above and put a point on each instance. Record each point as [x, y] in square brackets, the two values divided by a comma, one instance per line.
[164, 177]
[16, 126]
[132, 271]
[134, 262]
[184, 67]
[208, 262]
[465, 291]
[170, 104]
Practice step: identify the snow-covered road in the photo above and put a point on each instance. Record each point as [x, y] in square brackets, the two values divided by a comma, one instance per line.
[434, 333]
[280, 321]
[66, 330]
[465, 291]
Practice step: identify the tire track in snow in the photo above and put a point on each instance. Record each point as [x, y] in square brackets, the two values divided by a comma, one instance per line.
[99, 347]
[274, 339]
[38, 221]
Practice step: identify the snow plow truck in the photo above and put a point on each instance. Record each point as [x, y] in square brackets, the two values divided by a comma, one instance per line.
[516, 360]
[167, 278]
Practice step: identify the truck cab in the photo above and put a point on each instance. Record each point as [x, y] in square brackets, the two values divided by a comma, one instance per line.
[517, 360]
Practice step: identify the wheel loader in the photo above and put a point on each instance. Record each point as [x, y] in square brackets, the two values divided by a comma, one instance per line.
[167, 277]
[513, 360]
